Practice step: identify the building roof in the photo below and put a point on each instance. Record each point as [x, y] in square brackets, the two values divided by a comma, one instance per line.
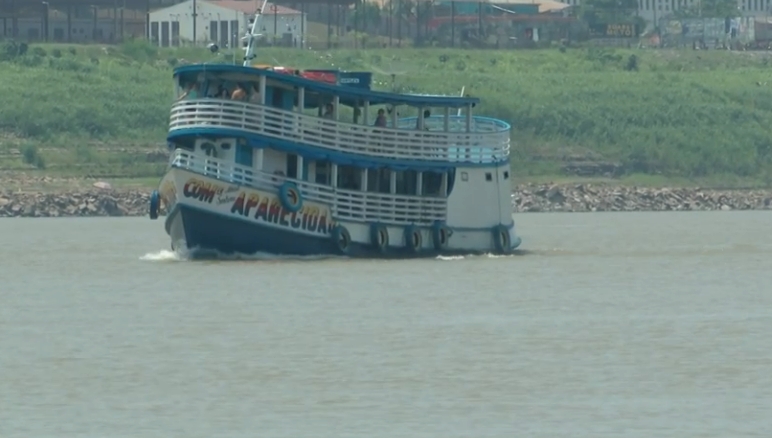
[544, 5]
[251, 6]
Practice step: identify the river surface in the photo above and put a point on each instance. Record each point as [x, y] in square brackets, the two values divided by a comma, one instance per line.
[605, 325]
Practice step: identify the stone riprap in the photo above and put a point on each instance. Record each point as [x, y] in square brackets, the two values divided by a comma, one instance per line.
[73, 204]
[525, 198]
[593, 197]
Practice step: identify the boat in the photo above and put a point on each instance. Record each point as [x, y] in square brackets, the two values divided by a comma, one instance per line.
[284, 161]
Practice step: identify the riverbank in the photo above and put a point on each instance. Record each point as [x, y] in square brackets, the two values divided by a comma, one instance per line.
[526, 198]
[103, 111]
[604, 197]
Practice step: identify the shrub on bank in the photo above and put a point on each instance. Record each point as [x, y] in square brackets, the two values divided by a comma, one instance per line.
[675, 113]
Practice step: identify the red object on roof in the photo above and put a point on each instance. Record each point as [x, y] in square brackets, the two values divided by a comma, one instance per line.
[251, 6]
[321, 76]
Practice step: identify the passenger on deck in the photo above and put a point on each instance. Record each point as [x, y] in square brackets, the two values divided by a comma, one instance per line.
[329, 112]
[427, 114]
[239, 94]
[190, 92]
[380, 120]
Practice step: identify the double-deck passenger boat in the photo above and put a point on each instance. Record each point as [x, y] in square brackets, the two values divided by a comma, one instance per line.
[281, 161]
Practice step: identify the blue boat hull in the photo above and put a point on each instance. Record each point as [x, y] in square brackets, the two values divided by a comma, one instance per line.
[207, 234]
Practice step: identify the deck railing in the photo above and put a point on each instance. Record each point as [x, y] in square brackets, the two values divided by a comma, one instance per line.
[487, 142]
[344, 204]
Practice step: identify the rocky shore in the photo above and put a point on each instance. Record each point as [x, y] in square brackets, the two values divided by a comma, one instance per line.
[82, 203]
[526, 198]
[592, 197]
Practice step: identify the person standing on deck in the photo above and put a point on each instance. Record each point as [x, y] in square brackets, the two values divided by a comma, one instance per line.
[380, 120]
[239, 94]
[191, 92]
[427, 114]
[329, 111]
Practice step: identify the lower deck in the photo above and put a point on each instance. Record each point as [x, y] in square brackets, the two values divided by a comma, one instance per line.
[354, 191]
[230, 176]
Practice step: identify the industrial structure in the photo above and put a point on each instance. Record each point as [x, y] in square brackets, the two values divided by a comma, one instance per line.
[223, 22]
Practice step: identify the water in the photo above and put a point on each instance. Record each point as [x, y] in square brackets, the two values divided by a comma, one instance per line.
[623, 325]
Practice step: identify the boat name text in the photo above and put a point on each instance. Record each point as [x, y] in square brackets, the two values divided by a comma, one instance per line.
[268, 209]
[201, 190]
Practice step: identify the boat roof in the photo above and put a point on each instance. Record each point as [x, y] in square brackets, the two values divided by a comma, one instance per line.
[348, 95]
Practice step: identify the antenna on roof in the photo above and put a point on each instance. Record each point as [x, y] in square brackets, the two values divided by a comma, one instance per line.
[250, 37]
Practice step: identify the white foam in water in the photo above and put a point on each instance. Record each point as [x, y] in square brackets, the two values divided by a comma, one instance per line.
[498, 256]
[447, 258]
[163, 255]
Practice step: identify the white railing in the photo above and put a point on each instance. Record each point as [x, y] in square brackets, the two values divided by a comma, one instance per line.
[344, 204]
[488, 142]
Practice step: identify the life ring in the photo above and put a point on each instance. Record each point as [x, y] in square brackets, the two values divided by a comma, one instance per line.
[341, 238]
[379, 237]
[440, 235]
[413, 239]
[290, 197]
[155, 204]
[501, 239]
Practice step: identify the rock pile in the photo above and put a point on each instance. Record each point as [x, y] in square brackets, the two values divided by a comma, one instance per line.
[592, 197]
[85, 203]
[526, 198]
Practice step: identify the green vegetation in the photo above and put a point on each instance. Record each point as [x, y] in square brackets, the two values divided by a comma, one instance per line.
[691, 115]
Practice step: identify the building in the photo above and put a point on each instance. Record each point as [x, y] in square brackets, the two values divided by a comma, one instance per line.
[73, 21]
[656, 10]
[223, 22]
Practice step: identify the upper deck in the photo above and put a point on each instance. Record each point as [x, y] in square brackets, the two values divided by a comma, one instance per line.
[277, 112]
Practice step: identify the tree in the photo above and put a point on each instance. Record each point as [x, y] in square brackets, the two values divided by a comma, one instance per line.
[367, 15]
[402, 11]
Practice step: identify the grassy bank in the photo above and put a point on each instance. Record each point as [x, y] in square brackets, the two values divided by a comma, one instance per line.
[661, 115]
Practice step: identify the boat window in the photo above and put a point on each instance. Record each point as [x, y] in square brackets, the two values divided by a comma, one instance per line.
[349, 177]
[506, 174]
[488, 176]
[292, 166]
[186, 145]
[244, 155]
[431, 183]
[379, 181]
[209, 149]
[407, 182]
[323, 171]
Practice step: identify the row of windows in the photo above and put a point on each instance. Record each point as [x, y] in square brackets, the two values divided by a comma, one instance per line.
[349, 177]
[667, 5]
[378, 180]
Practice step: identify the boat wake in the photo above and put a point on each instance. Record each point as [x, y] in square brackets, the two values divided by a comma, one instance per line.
[515, 253]
[162, 256]
[177, 256]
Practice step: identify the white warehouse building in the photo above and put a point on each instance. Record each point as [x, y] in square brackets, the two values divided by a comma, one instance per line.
[223, 22]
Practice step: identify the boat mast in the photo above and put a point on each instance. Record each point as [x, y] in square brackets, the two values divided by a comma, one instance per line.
[250, 52]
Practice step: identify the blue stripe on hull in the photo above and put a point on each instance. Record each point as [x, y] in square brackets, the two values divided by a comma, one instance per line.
[206, 233]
